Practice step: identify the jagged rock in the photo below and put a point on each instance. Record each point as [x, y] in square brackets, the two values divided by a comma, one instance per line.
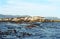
[28, 19]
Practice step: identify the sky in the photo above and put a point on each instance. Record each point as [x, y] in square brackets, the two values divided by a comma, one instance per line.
[48, 8]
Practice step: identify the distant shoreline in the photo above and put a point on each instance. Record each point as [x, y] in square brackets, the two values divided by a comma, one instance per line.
[27, 19]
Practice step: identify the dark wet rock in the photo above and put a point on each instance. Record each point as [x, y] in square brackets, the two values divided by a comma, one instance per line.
[0, 32]
[31, 26]
[23, 34]
[26, 34]
[4, 33]
[37, 24]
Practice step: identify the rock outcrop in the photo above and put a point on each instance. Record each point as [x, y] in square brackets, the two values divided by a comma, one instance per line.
[27, 19]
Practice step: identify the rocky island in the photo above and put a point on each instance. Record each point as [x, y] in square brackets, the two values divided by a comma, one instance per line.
[27, 19]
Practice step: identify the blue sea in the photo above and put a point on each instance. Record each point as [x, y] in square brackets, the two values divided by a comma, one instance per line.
[46, 30]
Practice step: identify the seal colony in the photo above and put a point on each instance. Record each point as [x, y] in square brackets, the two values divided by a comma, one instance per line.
[27, 19]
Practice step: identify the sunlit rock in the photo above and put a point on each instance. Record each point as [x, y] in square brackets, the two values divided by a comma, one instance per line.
[15, 19]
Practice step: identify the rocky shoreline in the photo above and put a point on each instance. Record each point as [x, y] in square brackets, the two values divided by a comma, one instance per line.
[27, 19]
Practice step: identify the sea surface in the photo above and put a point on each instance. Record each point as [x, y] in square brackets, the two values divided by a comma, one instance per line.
[46, 30]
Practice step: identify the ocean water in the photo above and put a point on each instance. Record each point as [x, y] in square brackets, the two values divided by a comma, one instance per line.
[47, 30]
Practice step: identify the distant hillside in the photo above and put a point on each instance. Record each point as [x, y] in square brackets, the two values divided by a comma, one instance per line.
[52, 18]
[11, 16]
[6, 16]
